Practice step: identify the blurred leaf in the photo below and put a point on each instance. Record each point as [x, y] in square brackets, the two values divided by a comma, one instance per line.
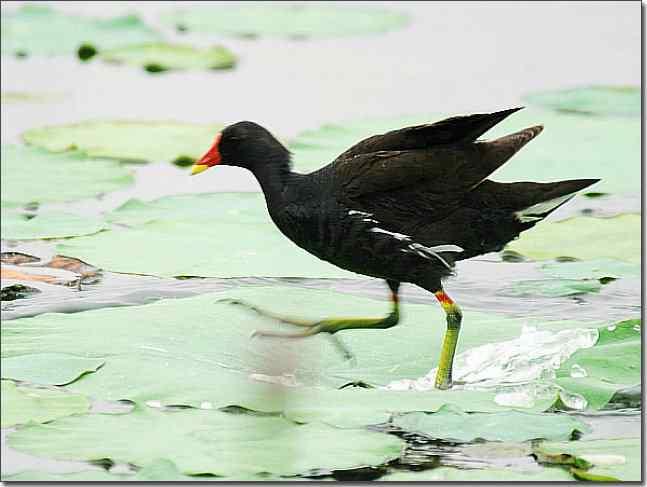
[611, 458]
[22, 405]
[222, 234]
[515, 426]
[615, 238]
[552, 287]
[597, 373]
[592, 269]
[570, 147]
[34, 175]
[128, 140]
[41, 30]
[55, 369]
[286, 20]
[44, 225]
[171, 56]
[197, 351]
[591, 100]
[201, 442]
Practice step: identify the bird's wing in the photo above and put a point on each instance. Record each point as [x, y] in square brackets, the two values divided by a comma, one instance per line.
[454, 130]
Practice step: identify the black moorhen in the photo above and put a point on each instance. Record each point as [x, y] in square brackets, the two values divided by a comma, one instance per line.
[403, 206]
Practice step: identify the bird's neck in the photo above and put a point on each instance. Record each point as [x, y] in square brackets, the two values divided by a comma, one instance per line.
[274, 175]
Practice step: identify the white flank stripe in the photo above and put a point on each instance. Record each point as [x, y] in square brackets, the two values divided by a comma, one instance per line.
[399, 236]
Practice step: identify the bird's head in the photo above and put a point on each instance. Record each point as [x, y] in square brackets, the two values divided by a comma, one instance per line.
[243, 144]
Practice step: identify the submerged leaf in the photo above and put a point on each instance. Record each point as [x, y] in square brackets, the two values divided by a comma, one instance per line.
[127, 140]
[34, 175]
[171, 56]
[22, 405]
[286, 20]
[552, 287]
[592, 269]
[591, 100]
[200, 442]
[41, 30]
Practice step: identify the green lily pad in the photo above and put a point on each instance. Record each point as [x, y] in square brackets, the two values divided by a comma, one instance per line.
[223, 234]
[55, 369]
[41, 30]
[612, 458]
[591, 100]
[33, 175]
[451, 423]
[287, 21]
[615, 238]
[200, 442]
[570, 147]
[552, 287]
[197, 351]
[592, 269]
[127, 140]
[17, 226]
[156, 57]
[22, 405]
[597, 373]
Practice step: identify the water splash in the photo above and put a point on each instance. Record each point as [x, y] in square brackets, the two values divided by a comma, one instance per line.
[578, 371]
[612, 327]
[519, 371]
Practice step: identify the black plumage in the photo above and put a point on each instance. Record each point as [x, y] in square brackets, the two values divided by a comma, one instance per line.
[405, 205]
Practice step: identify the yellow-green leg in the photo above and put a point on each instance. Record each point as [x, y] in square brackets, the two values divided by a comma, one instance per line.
[330, 325]
[454, 318]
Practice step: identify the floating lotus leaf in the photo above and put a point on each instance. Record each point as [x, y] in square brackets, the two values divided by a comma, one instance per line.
[55, 369]
[613, 364]
[591, 100]
[615, 238]
[128, 140]
[453, 424]
[41, 30]
[611, 458]
[570, 147]
[157, 57]
[21, 405]
[17, 226]
[33, 175]
[223, 235]
[200, 442]
[304, 21]
[197, 351]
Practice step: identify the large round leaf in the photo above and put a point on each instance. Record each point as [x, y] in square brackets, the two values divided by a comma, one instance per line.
[570, 147]
[128, 140]
[34, 175]
[18, 226]
[156, 57]
[48, 368]
[286, 20]
[201, 442]
[39, 29]
[223, 234]
[515, 426]
[591, 100]
[22, 405]
[197, 351]
[583, 238]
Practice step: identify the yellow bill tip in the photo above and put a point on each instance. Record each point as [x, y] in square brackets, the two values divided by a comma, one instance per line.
[198, 168]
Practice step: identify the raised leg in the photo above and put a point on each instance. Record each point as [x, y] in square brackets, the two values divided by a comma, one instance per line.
[330, 325]
[454, 318]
